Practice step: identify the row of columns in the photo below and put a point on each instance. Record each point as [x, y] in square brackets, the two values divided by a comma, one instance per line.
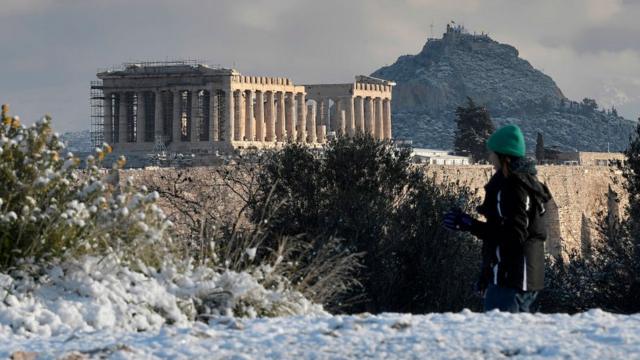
[285, 116]
[268, 116]
[246, 115]
[117, 116]
[357, 115]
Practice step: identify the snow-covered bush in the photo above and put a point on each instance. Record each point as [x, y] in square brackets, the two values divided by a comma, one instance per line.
[51, 210]
[100, 293]
[79, 249]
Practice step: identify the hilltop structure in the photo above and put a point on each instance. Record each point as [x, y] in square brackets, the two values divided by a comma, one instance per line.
[192, 108]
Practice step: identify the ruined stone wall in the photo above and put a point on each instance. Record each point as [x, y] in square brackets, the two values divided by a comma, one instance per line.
[580, 194]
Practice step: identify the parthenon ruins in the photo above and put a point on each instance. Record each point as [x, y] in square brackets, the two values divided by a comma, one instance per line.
[194, 108]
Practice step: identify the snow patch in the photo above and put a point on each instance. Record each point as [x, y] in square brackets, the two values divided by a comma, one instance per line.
[465, 335]
[100, 294]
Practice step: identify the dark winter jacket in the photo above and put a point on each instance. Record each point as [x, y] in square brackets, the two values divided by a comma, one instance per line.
[514, 233]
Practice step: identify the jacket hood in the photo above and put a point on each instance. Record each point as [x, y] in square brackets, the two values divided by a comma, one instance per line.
[524, 171]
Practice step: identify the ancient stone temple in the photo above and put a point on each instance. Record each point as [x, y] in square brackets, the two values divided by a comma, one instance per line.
[193, 108]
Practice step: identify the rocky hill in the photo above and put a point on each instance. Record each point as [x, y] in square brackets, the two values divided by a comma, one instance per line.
[78, 141]
[431, 84]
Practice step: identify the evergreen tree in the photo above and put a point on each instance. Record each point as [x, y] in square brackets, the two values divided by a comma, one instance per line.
[473, 128]
[366, 195]
[540, 148]
[589, 105]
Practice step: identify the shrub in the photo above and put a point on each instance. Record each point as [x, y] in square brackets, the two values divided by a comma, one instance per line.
[95, 293]
[49, 209]
[605, 278]
[208, 207]
[438, 267]
[59, 221]
[608, 277]
[367, 194]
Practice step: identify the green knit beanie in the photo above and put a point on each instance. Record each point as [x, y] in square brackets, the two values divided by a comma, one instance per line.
[508, 140]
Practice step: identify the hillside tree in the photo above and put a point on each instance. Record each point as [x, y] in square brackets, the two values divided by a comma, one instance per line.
[590, 105]
[473, 128]
[540, 148]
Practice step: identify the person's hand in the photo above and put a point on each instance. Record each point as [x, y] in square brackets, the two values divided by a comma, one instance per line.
[457, 220]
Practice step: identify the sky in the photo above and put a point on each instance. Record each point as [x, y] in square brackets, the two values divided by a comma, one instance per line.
[52, 49]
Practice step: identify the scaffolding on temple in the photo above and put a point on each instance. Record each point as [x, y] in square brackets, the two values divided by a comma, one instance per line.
[96, 103]
[159, 64]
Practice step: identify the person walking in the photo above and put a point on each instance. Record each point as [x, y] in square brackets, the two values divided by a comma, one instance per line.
[515, 229]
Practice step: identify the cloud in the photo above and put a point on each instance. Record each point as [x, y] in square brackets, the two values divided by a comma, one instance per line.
[23, 7]
[611, 77]
[260, 14]
[602, 10]
[52, 48]
[460, 5]
[613, 96]
[613, 39]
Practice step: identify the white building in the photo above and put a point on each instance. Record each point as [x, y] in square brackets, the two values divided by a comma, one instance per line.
[438, 157]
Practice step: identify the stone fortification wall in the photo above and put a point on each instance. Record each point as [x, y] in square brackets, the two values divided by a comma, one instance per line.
[580, 194]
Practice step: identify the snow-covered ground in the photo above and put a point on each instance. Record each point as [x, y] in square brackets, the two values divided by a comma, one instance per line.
[98, 308]
[592, 335]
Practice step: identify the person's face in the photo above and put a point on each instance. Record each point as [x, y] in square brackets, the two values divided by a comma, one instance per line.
[495, 161]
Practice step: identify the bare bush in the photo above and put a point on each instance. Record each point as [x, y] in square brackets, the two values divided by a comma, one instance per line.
[208, 207]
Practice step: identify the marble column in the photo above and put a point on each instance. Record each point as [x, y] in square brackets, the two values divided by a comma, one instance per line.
[196, 118]
[350, 116]
[240, 115]
[229, 121]
[387, 118]
[322, 133]
[249, 129]
[140, 118]
[359, 109]
[311, 123]
[289, 117]
[107, 123]
[342, 120]
[270, 114]
[259, 116]
[379, 128]
[369, 124]
[214, 115]
[323, 112]
[280, 128]
[157, 116]
[176, 132]
[123, 136]
[301, 112]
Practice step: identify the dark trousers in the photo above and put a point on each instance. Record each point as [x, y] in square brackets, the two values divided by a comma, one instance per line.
[508, 299]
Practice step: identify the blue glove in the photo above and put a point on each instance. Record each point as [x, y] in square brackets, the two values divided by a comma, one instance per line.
[457, 220]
